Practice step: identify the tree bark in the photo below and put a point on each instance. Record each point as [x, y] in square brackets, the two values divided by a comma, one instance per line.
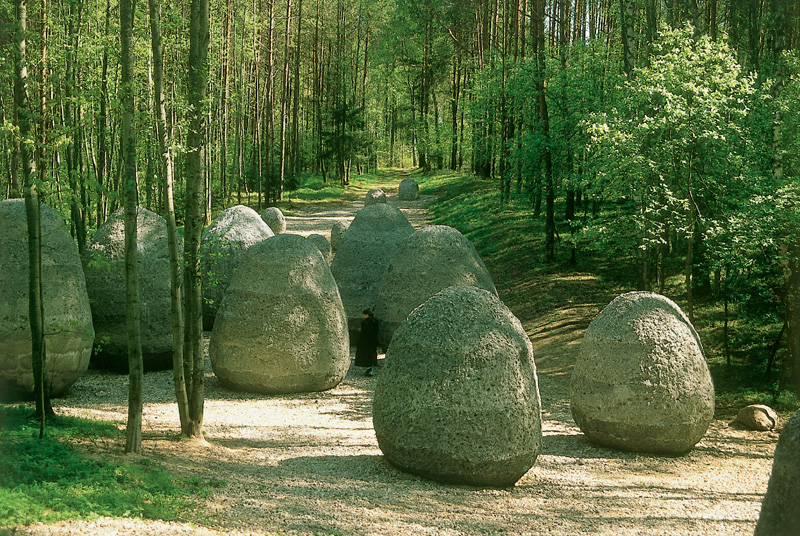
[133, 435]
[32, 212]
[176, 301]
[194, 361]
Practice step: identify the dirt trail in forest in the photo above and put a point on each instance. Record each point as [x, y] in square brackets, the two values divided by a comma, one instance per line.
[310, 464]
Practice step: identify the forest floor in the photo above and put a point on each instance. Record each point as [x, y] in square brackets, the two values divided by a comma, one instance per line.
[310, 463]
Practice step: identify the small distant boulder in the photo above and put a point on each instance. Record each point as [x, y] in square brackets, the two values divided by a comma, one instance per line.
[780, 515]
[104, 265]
[375, 195]
[408, 190]
[275, 219]
[363, 255]
[67, 320]
[427, 261]
[282, 328]
[322, 245]
[641, 382]
[758, 417]
[457, 400]
[224, 242]
[337, 232]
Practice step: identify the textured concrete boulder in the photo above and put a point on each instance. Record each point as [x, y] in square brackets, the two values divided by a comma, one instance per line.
[67, 318]
[457, 400]
[780, 515]
[322, 245]
[104, 266]
[429, 260]
[758, 417]
[375, 195]
[408, 190]
[275, 219]
[282, 327]
[363, 255]
[337, 232]
[224, 242]
[641, 382]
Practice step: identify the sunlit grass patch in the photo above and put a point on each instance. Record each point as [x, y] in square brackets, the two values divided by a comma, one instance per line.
[50, 480]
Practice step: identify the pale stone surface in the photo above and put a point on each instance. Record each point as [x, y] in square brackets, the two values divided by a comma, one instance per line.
[427, 261]
[275, 219]
[104, 266]
[457, 400]
[67, 318]
[408, 189]
[323, 245]
[758, 417]
[780, 510]
[641, 382]
[282, 328]
[363, 255]
[224, 242]
[375, 195]
[337, 232]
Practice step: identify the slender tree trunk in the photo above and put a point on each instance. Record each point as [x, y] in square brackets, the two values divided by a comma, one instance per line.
[544, 118]
[194, 361]
[285, 98]
[32, 211]
[179, 379]
[133, 437]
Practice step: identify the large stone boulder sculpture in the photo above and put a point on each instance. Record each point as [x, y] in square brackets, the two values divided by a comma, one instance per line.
[780, 515]
[337, 232]
[641, 382]
[322, 244]
[427, 261]
[408, 190]
[375, 195]
[67, 318]
[275, 219]
[231, 233]
[457, 400]
[104, 266]
[282, 327]
[363, 255]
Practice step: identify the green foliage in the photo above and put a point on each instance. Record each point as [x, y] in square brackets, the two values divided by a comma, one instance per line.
[49, 480]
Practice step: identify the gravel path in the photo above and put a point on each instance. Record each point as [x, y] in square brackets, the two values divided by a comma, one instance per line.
[310, 464]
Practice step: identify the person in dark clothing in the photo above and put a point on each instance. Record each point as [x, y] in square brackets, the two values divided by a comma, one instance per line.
[367, 348]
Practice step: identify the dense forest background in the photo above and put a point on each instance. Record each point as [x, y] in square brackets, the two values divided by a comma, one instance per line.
[664, 132]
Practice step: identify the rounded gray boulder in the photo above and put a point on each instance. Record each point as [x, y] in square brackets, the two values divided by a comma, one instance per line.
[224, 242]
[375, 195]
[363, 255]
[457, 400]
[67, 321]
[337, 232]
[322, 245]
[275, 219]
[282, 327]
[780, 515]
[427, 261]
[408, 189]
[104, 266]
[641, 382]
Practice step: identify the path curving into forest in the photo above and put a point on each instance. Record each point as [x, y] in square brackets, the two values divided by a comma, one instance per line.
[310, 464]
